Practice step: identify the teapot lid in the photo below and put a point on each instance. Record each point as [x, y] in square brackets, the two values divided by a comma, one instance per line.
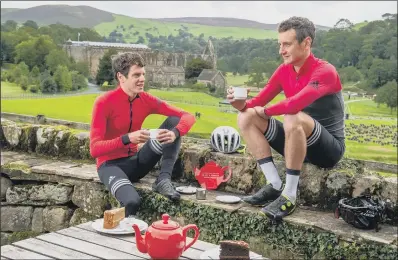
[165, 223]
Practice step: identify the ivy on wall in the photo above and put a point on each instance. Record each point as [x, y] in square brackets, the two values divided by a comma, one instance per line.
[217, 224]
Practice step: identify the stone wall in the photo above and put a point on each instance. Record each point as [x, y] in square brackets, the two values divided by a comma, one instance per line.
[36, 199]
[318, 188]
[49, 182]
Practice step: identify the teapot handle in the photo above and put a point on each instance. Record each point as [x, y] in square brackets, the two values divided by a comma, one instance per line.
[229, 172]
[184, 234]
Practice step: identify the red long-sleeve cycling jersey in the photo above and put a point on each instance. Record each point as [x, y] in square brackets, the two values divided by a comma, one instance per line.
[114, 116]
[315, 79]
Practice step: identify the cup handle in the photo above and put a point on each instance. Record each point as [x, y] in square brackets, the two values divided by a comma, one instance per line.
[185, 231]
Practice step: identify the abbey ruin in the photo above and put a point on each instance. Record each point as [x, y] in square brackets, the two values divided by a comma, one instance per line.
[162, 67]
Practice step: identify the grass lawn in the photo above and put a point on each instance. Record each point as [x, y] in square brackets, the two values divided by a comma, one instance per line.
[369, 108]
[156, 28]
[237, 80]
[211, 117]
[10, 89]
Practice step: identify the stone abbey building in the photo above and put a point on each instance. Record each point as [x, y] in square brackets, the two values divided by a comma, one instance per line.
[161, 67]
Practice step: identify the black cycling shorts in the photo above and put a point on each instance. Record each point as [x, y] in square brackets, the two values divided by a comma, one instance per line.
[323, 149]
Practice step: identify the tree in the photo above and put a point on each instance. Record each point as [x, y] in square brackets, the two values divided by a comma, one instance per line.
[78, 81]
[34, 51]
[82, 67]
[55, 58]
[10, 26]
[32, 24]
[48, 85]
[344, 24]
[105, 72]
[19, 71]
[23, 82]
[195, 66]
[256, 72]
[63, 79]
[387, 94]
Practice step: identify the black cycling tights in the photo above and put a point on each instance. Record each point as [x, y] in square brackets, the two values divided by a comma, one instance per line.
[117, 175]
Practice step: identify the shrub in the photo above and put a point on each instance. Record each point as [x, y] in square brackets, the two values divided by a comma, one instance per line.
[48, 85]
[23, 82]
[34, 89]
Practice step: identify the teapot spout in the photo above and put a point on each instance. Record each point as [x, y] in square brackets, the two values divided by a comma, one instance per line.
[140, 240]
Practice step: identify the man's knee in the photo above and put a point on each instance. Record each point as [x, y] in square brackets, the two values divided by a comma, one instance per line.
[246, 118]
[291, 123]
[172, 121]
[298, 122]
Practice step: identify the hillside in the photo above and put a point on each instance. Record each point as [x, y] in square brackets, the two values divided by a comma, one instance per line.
[132, 28]
[73, 16]
[7, 10]
[227, 22]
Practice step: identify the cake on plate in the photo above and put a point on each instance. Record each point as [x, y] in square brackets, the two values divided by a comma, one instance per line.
[113, 217]
[230, 249]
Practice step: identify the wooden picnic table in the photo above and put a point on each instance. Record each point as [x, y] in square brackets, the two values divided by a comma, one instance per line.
[83, 242]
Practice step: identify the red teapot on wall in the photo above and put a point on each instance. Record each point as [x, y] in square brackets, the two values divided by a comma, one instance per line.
[211, 175]
[165, 239]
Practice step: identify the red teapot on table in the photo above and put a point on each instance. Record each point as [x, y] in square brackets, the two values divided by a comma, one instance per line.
[211, 175]
[165, 239]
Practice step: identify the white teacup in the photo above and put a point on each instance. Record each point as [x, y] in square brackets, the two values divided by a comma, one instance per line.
[153, 133]
[240, 93]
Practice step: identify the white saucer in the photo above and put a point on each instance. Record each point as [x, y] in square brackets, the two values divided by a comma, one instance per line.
[215, 254]
[228, 199]
[125, 226]
[186, 189]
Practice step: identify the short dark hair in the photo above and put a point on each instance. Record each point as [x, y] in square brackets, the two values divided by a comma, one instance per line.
[301, 25]
[122, 62]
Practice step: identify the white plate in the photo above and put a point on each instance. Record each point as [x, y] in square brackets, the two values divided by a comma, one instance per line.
[228, 199]
[215, 254]
[186, 189]
[125, 226]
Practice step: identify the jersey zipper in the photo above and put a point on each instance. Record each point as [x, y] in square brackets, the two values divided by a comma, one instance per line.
[131, 122]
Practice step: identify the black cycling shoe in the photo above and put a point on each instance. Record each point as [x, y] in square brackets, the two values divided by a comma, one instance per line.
[279, 208]
[265, 195]
[166, 188]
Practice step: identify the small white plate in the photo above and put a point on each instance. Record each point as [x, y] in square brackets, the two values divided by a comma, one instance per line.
[215, 254]
[228, 199]
[186, 189]
[125, 226]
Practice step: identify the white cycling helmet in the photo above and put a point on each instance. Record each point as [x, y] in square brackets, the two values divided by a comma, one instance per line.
[225, 139]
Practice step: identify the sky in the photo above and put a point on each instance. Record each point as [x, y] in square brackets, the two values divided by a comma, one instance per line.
[320, 12]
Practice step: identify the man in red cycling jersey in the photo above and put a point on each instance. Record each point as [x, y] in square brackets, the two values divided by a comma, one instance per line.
[116, 132]
[313, 118]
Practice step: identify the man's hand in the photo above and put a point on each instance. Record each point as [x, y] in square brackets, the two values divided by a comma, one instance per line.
[260, 112]
[166, 136]
[139, 136]
[237, 104]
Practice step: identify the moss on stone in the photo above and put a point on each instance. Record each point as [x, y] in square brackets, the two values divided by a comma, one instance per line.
[48, 146]
[21, 235]
[16, 166]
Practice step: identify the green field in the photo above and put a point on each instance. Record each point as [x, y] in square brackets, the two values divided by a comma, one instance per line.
[369, 108]
[12, 89]
[211, 117]
[237, 80]
[162, 28]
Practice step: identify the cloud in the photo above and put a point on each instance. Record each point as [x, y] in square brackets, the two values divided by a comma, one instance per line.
[322, 13]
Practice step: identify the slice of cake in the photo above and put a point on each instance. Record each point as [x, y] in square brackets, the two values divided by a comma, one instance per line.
[230, 249]
[113, 217]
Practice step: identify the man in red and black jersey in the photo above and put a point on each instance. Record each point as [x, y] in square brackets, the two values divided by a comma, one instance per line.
[313, 118]
[116, 132]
